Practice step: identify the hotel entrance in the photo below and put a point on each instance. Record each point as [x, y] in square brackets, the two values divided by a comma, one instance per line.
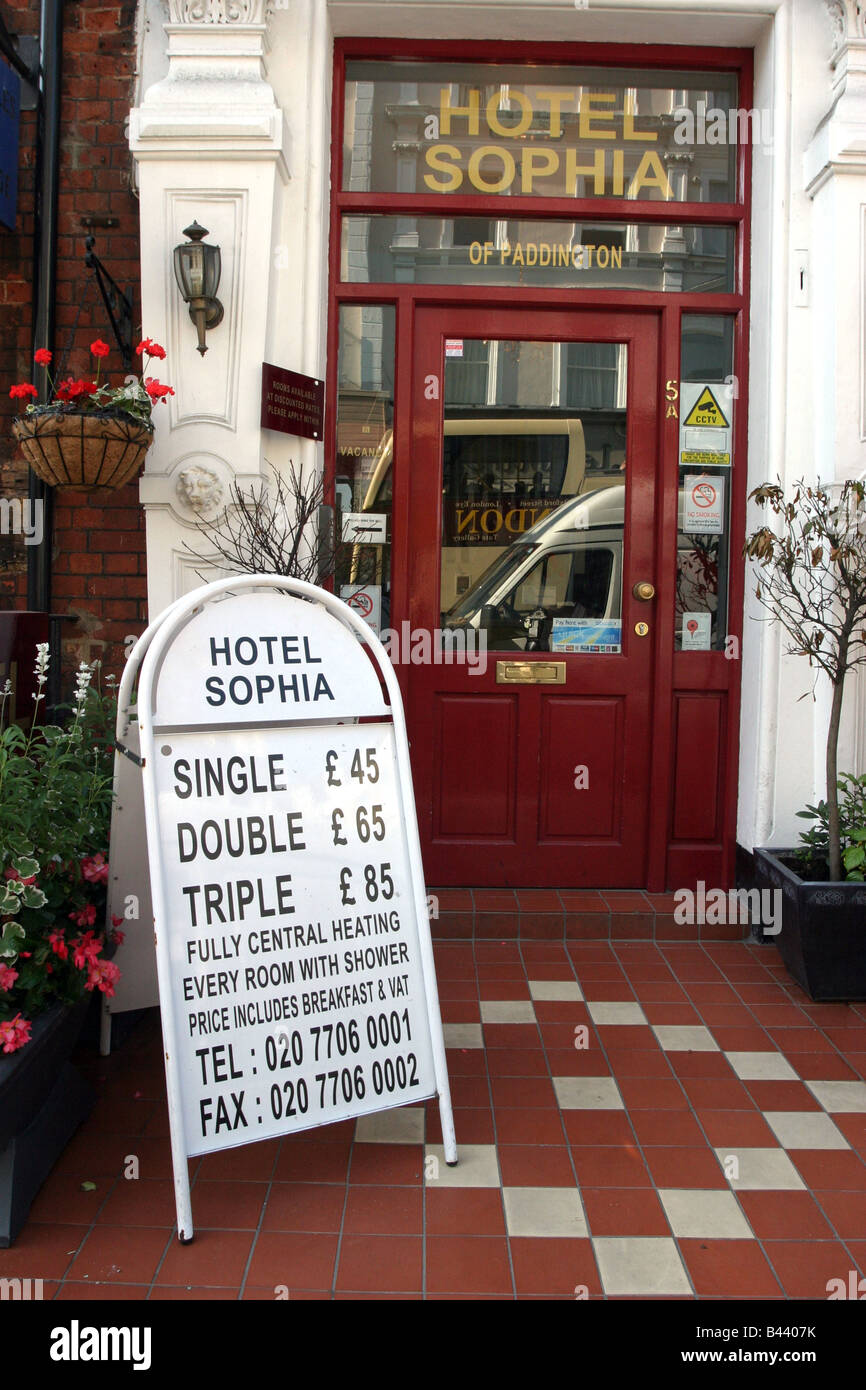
[537, 452]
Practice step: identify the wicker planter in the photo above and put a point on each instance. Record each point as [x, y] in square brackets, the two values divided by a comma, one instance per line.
[88, 450]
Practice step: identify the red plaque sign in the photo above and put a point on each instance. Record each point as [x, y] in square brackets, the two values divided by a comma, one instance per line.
[292, 403]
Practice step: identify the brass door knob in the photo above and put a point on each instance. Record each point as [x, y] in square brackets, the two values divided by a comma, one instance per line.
[644, 591]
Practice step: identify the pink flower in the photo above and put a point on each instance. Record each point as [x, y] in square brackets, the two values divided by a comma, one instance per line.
[58, 943]
[95, 868]
[14, 1033]
[99, 348]
[8, 976]
[84, 917]
[85, 950]
[102, 975]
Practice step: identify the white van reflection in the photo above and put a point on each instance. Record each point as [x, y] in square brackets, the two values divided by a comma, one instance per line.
[569, 565]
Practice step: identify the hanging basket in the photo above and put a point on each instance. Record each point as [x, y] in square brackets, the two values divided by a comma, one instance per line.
[90, 450]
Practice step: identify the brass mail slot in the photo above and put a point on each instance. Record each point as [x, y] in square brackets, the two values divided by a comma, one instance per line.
[530, 673]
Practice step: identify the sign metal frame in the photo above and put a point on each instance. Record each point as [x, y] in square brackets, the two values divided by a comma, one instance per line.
[146, 661]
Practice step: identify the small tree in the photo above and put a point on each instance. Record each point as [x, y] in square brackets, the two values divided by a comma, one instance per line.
[812, 579]
[272, 530]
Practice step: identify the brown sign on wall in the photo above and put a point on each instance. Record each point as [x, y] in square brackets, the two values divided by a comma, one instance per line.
[292, 403]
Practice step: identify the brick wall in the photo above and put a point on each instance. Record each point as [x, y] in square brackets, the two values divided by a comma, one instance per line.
[98, 559]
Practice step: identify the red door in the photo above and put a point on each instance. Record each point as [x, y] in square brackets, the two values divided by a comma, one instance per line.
[532, 499]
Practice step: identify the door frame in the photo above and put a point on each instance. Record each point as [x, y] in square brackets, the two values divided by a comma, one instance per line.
[696, 672]
[641, 331]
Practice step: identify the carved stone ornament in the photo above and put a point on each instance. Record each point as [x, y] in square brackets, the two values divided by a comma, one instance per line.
[200, 489]
[848, 21]
[217, 11]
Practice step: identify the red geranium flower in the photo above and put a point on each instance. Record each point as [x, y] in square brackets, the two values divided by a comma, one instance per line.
[14, 1033]
[70, 390]
[152, 349]
[22, 390]
[156, 390]
[42, 357]
[99, 348]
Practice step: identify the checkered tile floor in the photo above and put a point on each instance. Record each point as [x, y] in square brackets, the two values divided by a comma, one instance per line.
[634, 1120]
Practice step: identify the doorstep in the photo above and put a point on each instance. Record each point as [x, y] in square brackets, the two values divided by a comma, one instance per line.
[550, 914]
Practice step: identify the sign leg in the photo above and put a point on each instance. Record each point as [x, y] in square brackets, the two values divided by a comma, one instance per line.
[449, 1140]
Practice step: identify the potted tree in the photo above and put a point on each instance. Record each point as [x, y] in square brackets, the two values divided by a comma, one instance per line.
[55, 806]
[812, 579]
[88, 435]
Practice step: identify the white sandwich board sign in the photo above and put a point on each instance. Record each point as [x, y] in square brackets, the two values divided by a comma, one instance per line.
[293, 947]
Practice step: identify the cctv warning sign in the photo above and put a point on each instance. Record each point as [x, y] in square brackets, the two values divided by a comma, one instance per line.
[706, 413]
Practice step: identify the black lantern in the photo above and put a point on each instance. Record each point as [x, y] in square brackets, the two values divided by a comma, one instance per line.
[197, 267]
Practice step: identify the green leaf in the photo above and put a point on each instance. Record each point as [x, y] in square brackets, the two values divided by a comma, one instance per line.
[33, 896]
[854, 857]
[10, 903]
[12, 939]
[25, 867]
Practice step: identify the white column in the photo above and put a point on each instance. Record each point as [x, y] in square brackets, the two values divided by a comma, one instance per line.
[210, 144]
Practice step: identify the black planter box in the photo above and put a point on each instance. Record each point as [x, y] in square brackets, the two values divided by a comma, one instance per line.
[43, 1100]
[823, 936]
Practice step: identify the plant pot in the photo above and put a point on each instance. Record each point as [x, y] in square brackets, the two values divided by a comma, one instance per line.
[88, 450]
[43, 1100]
[823, 936]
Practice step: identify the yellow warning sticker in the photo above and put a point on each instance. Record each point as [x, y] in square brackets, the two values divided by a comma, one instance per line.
[707, 413]
[705, 456]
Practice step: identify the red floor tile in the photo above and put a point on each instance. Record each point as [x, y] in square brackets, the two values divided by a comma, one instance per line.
[591, 1127]
[781, 1095]
[468, 1212]
[616, 1211]
[830, 1170]
[42, 1252]
[620, 1166]
[686, 1167]
[62, 1201]
[304, 1206]
[387, 1163]
[554, 1268]
[522, 1092]
[311, 1162]
[648, 1093]
[846, 1212]
[380, 1264]
[172, 1293]
[668, 1128]
[784, 1215]
[228, 1206]
[531, 1165]
[639, 1062]
[701, 1065]
[471, 1126]
[805, 1268]
[719, 1093]
[737, 1128]
[512, 1037]
[468, 1265]
[215, 1258]
[728, 1268]
[529, 1127]
[147, 1202]
[128, 1255]
[296, 1261]
[513, 1061]
[248, 1163]
[854, 1129]
[384, 1211]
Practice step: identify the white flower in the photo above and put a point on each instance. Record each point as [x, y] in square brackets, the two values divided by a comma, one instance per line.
[82, 682]
[41, 662]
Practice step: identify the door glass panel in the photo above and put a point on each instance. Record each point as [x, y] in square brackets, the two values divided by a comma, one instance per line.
[533, 493]
[363, 473]
[707, 468]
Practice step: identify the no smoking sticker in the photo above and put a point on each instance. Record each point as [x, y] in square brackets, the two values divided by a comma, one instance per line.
[703, 505]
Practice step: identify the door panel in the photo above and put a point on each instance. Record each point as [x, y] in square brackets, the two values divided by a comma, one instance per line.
[532, 493]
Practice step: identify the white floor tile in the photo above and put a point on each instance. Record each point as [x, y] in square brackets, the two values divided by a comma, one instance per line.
[708, 1214]
[587, 1093]
[507, 1011]
[761, 1066]
[477, 1166]
[685, 1037]
[555, 989]
[769, 1170]
[463, 1035]
[543, 1211]
[640, 1265]
[805, 1129]
[841, 1097]
[614, 1013]
[402, 1126]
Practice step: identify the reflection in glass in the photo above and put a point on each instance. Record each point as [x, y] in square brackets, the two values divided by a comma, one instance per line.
[418, 127]
[574, 255]
[365, 408]
[533, 489]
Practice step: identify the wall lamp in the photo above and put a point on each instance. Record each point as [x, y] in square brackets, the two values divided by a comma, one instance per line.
[197, 267]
